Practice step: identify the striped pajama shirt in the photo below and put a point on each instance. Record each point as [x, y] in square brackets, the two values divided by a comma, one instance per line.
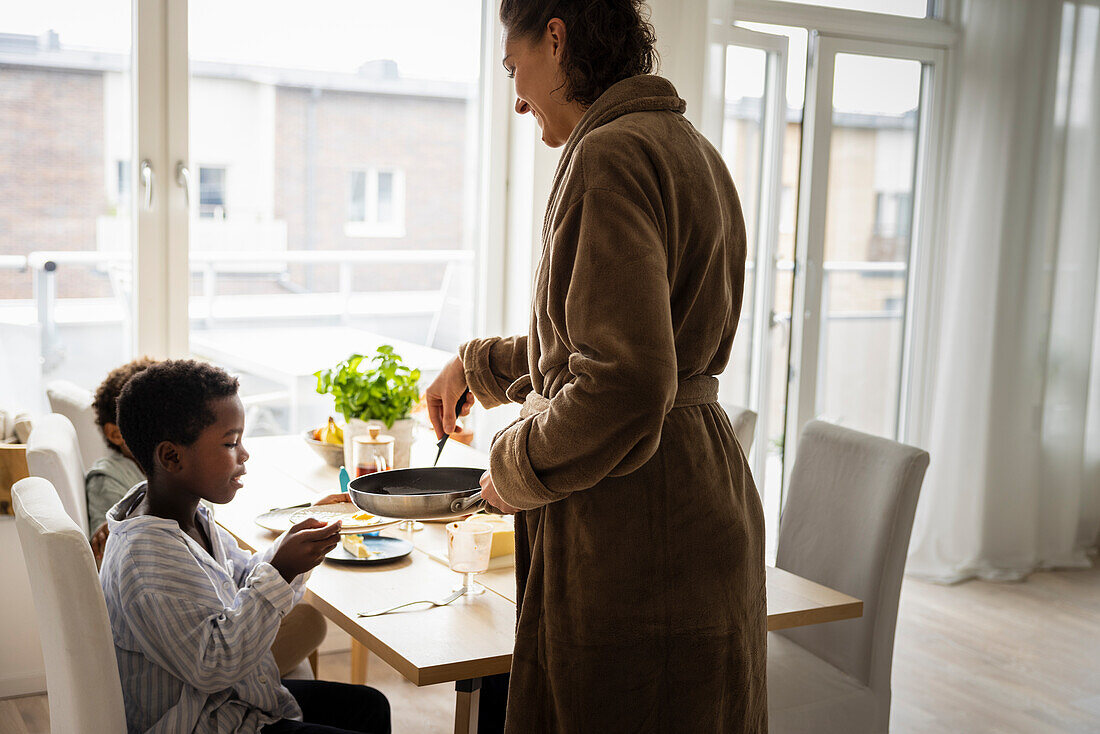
[192, 632]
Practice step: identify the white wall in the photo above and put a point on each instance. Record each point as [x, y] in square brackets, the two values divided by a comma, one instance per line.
[246, 148]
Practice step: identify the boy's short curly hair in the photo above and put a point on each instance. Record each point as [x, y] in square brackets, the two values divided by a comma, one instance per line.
[606, 41]
[170, 401]
[105, 402]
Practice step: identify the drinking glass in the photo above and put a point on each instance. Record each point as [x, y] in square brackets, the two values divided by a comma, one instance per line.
[468, 548]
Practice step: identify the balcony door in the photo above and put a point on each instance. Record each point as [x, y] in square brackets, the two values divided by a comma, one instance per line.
[863, 227]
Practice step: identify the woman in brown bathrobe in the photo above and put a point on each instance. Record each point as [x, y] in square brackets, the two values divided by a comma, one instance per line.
[639, 534]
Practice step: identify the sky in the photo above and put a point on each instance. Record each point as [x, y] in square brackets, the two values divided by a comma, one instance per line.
[429, 39]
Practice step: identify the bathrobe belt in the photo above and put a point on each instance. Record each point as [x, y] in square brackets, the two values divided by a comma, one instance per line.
[697, 390]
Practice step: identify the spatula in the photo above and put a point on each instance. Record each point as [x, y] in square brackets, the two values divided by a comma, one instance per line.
[458, 412]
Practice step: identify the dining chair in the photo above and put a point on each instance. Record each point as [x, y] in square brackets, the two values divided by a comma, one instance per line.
[82, 680]
[743, 421]
[75, 403]
[846, 524]
[54, 454]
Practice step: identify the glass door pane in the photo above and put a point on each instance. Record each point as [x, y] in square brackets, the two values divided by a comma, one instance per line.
[334, 157]
[66, 198]
[868, 227]
[744, 152]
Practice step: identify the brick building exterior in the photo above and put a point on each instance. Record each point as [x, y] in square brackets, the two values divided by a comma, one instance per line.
[60, 173]
[51, 170]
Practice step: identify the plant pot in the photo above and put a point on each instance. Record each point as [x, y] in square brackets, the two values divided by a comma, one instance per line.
[402, 432]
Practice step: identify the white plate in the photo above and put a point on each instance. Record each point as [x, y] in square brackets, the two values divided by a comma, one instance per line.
[279, 521]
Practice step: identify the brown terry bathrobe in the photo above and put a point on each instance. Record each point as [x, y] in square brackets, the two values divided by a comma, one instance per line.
[639, 553]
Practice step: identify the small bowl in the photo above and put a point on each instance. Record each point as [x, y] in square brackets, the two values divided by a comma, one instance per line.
[332, 453]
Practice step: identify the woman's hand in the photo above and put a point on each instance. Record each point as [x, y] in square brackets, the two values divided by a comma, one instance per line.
[333, 499]
[442, 395]
[489, 494]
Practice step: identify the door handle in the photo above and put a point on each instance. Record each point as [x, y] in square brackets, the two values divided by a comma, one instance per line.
[183, 179]
[147, 179]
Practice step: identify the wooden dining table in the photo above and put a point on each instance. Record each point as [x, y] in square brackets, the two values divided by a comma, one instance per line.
[468, 639]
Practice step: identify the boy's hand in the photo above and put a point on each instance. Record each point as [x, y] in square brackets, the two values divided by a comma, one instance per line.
[99, 541]
[305, 547]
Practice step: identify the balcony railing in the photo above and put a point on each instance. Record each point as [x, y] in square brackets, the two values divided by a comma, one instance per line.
[344, 303]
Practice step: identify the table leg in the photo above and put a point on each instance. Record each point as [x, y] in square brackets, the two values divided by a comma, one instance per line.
[467, 700]
[359, 659]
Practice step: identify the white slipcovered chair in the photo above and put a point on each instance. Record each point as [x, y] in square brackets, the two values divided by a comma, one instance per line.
[54, 454]
[82, 678]
[743, 421]
[75, 403]
[846, 524]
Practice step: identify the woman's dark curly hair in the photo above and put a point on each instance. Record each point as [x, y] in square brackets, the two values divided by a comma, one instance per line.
[105, 402]
[606, 41]
[170, 401]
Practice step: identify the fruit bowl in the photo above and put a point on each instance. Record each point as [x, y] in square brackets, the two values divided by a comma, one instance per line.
[332, 453]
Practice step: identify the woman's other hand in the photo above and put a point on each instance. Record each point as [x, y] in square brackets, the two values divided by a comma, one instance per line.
[333, 499]
[489, 494]
[442, 395]
[99, 542]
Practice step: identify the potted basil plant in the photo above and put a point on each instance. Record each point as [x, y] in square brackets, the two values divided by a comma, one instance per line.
[378, 390]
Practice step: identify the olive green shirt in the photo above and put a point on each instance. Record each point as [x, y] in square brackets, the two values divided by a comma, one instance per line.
[106, 483]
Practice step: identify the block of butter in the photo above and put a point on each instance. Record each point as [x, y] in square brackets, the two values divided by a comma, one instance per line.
[504, 533]
[353, 544]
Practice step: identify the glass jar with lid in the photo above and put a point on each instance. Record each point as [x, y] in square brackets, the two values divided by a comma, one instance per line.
[372, 452]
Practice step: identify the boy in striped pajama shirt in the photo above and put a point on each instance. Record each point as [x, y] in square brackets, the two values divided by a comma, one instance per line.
[193, 615]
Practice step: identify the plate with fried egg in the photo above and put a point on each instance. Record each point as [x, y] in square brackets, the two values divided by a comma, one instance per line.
[352, 518]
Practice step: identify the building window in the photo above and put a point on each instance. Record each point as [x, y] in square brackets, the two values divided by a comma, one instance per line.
[892, 215]
[122, 188]
[212, 193]
[376, 203]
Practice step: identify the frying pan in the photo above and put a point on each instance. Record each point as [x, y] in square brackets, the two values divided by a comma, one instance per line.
[428, 493]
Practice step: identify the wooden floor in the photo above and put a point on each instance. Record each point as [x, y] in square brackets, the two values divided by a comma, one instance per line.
[973, 658]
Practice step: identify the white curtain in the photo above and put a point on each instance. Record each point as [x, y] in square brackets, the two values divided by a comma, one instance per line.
[1014, 429]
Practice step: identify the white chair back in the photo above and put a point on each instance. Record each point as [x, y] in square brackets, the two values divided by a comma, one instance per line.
[82, 678]
[743, 421]
[54, 455]
[846, 524]
[75, 403]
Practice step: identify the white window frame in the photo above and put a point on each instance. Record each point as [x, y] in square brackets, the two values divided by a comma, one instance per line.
[160, 93]
[773, 128]
[160, 220]
[901, 37]
[370, 226]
